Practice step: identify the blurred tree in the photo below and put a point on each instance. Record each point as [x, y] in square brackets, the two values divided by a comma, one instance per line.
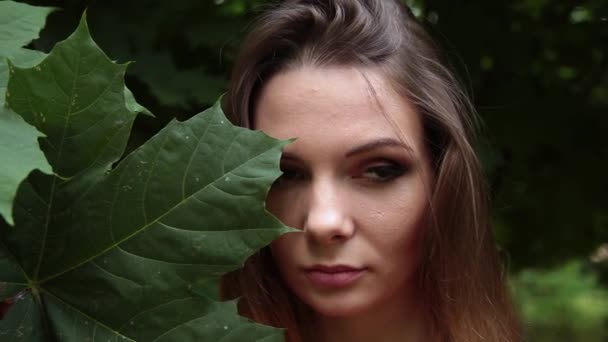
[563, 304]
[538, 72]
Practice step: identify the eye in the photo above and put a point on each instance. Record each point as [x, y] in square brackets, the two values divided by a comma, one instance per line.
[384, 172]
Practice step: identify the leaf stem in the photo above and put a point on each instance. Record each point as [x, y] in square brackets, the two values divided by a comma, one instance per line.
[46, 328]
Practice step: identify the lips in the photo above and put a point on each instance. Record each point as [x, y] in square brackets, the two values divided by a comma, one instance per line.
[333, 276]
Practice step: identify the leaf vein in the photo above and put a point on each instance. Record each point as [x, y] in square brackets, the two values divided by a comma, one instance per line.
[151, 309]
[115, 275]
[109, 86]
[117, 333]
[148, 224]
[198, 144]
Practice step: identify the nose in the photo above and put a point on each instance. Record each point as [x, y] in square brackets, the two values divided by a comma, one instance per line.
[327, 220]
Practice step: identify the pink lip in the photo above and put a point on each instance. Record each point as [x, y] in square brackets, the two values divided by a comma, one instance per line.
[333, 276]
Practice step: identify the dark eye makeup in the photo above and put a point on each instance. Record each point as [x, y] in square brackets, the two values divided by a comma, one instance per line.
[378, 171]
[383, 171]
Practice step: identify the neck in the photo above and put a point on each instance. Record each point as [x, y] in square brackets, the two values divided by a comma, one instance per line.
[391, 321]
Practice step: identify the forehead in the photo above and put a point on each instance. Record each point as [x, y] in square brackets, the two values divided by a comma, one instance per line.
[335, 105]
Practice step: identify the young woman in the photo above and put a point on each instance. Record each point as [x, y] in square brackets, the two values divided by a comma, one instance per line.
[382, 181]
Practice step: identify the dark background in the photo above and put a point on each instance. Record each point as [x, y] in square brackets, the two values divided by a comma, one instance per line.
[536, 70]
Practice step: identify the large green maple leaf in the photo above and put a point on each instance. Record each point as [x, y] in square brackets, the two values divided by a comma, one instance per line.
[134, 252]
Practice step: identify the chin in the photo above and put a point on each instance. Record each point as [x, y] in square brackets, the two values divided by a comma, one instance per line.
[339, 305]
[336, 312]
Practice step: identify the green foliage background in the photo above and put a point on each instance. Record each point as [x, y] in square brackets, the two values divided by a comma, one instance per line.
[537, 71]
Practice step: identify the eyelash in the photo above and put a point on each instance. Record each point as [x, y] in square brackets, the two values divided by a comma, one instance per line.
[383, 172]
[391, 171]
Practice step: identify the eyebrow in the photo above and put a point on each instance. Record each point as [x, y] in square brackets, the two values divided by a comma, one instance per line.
[374, 144]
[366, 147]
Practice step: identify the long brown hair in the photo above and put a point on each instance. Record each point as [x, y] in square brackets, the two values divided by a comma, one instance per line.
[460, 275]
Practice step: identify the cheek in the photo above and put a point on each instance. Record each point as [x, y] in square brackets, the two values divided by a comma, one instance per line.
[412, 241]
[396, 233]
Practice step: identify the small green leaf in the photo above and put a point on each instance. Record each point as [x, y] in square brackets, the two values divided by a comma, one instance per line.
[76, 89]
[19, 155]
[19, 150]
[20, 24]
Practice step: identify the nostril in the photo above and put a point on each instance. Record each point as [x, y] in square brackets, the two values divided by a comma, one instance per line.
[328, 226]
[337, 238]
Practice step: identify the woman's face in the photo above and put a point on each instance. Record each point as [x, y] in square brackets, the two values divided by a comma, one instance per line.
[355, 182]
